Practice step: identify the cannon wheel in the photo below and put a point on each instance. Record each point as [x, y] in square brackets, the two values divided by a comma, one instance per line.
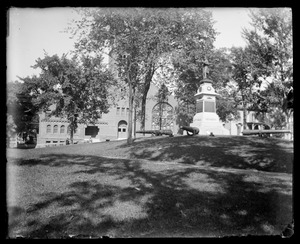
[189, 133]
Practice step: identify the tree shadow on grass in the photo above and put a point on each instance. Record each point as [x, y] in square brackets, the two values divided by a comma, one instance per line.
[265, 154]
[134, 198]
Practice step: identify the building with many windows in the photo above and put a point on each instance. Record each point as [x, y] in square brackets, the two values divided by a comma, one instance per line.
[111, 126]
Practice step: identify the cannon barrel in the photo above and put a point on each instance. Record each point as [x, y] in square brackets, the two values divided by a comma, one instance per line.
[258, 132]
[166, 132]
[146, 131]
[192, 130]
[156, 132]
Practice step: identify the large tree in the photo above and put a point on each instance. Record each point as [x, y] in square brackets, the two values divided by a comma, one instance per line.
[174, 35]
[270, 42]
[245, 79]
[21, 112]
[143, 36]
[76, 88]
[115, 32]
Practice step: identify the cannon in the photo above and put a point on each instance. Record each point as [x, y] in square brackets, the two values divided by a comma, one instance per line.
[190, 130]
[263, 132]
[156, 132]
[166, 132]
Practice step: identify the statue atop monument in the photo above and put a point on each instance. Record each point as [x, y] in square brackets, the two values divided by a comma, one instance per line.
[205, 68]
[206, 118]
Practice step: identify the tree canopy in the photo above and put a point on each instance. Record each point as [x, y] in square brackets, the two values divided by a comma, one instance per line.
[168, 46]
[270, 43]
[21, 112]
[137, 39]
[75, 88]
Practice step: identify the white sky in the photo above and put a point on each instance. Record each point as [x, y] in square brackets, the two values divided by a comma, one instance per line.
[31, 31]
[229, 24]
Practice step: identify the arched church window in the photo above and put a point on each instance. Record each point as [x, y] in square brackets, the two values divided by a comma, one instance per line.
[162, 116]
[55, 128]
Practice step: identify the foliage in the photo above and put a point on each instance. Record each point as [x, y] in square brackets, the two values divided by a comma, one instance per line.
[21, 112]
[139, 40]
[162, 94]
[277, 119]
[76, 88]
[270, 43]
[189, 81]
[13, 89]
[10, 126]
[185, 113]
[226, 106]
[245, 79]
[221, 75]
[162, 112]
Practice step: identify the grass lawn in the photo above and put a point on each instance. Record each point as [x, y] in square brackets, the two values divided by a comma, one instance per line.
[156, 187]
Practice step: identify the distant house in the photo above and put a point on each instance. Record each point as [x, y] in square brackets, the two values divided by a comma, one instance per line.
[235, 127]
[112, 126]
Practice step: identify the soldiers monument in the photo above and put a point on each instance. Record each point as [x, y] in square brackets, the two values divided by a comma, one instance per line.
[206, 118]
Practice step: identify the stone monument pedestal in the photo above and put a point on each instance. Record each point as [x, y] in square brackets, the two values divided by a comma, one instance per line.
[206, 118]
[207, 123]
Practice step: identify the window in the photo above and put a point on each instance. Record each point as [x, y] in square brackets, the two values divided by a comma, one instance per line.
[62, 129]
[119, 129]
[118, 110]
[91, 131]
[48, 128]
[123, 111]
[48, 142]
[55, 128]
[124, 129]
[55, 141]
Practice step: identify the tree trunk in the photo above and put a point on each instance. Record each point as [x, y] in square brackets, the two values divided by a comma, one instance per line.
[131, 96]
[71, 130]
[244, 116]
[148, 79]
[72, 136]
[134, 125]
[287, 117]
[160, 115]
[143, 113]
